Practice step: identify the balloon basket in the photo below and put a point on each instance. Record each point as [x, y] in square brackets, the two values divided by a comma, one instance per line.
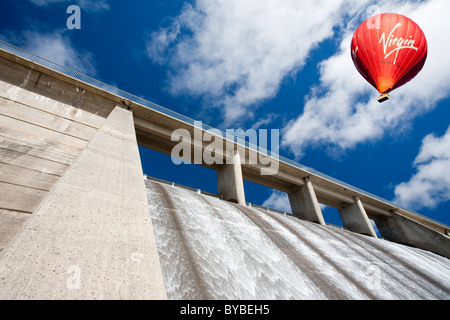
[383, 98]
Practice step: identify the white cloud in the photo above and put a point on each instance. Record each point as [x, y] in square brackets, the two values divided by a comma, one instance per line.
[336, 114]
[431, 184]
[87, 5]
[279, 201]
[45, 2]
[263, 121]
[59, 49]
[94, 5]
[160, 41]
[238, 52]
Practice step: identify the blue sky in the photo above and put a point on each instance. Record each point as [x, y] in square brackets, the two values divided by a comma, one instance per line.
[266, 64]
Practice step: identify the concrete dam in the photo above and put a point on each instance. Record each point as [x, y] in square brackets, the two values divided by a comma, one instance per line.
[79, 219]
[214, 249]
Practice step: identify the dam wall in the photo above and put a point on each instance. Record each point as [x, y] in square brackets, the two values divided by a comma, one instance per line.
[74, 219]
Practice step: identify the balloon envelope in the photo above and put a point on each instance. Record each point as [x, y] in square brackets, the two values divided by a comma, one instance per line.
[389, 50]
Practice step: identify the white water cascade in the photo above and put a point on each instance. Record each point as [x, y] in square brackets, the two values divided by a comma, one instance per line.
[213, 249]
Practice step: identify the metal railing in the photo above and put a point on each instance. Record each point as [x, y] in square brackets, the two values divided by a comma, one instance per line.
[128, 96]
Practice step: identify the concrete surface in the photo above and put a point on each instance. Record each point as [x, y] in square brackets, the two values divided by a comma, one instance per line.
[354, 218]
[230, 184]
[401, 229]
[92, 236]
[304, 204]
[39, 140]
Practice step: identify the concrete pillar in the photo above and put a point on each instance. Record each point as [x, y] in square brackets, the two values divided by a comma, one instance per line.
[304, 204]
[354, 217]
[400, 229]
[230, 184]
[92, 235]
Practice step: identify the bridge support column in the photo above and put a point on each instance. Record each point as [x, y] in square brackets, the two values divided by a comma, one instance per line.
[230, 184]
[354, 217]
[304, 204]
[400, 229]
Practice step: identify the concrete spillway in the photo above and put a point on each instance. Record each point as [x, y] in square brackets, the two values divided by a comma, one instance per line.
[213, 249]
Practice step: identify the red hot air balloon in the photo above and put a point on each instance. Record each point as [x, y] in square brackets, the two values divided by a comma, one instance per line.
[389, 50]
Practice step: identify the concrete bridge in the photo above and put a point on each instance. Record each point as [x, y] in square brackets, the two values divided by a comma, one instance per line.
[72, 177]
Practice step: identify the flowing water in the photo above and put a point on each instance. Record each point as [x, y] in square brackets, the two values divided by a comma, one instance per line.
[213, 249]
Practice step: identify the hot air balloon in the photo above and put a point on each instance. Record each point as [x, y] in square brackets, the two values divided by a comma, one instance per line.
[388, 50]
